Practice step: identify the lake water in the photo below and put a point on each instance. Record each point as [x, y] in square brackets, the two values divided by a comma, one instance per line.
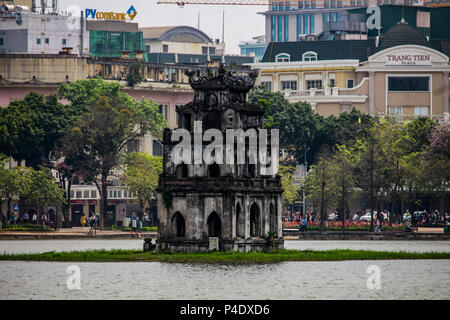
[39, 246]
[399, 279]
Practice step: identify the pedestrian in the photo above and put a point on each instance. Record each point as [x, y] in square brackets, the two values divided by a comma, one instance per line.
[377, 228]
[44, 220]
[134, 221]
[83, 220]
[34, 218]
[25, 218]
[13, 218]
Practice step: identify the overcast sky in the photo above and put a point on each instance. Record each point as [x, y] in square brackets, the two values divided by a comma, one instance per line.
[241, 22]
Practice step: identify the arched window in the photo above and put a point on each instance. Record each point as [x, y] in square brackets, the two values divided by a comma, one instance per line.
[239, 222]
[213, 170]
[272, 218]
[182, 171]
[178, 225]
[255, 225]
[282, 57]
[309, 56]
[214, 225]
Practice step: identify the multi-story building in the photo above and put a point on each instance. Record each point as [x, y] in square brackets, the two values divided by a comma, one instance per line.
[254, 48]
[402, 72]
[181, 40]
[299, 20]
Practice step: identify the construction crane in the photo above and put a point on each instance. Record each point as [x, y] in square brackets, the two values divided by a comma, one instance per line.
[181, 3]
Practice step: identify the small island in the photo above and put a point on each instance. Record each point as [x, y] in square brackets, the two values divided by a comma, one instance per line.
[225, 257]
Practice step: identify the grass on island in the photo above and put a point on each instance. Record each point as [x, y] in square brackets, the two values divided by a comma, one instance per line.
[220, 256]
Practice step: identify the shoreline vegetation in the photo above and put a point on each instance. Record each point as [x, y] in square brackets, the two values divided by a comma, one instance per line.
[222, 257]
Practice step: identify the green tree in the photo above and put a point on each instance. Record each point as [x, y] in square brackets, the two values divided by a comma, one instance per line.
[134, 75]
[290, 190]
[32, 128]
[9, 184]
[141, 176]
[100, 136]
[343, 173]
[320, 188]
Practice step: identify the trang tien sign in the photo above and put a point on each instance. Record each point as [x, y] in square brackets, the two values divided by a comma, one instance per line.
[408, 59]
[118, 16]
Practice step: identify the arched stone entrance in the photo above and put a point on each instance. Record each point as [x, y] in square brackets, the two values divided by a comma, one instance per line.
[178, 225]
[255, 224]
[214, 225]
[239, 222]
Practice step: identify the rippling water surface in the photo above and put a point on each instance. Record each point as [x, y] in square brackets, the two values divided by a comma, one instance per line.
[38, 246]
[419, 279]
[400, 279]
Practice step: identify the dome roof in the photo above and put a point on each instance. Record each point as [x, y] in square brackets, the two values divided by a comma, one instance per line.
[403, 34]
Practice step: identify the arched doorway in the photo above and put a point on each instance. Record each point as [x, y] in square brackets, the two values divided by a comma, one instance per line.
[213, 170]
[239, 222]
[214, 225]
[255, 225]
[182, 171]
[272, 218]
[178, 225]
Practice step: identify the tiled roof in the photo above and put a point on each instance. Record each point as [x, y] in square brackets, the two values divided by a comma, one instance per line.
[154, 32]
[441, 45]
[325, 49]
[402, 34]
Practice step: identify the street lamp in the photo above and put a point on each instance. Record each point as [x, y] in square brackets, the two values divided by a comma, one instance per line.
[304, 191]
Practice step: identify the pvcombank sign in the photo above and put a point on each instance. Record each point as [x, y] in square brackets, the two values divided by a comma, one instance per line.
[108, 15]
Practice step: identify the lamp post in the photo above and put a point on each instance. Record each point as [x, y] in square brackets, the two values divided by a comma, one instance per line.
[304, 191]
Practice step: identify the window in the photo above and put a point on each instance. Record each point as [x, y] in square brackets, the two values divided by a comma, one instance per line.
[338, 16]
[94, 194]
[280, 29]
[305, 24]
[309, 56]
[300, 4]
[311, 23]
[86, 194]
[281, 6]
[421, 111]
[157, 148]
[125, 194]
[79, 194]
[267, 84]
[47, 40]
[332, 15]
[204, 50]
[314, 84]
[282, 57]
[313, 4]
[326, 4]
[165, 48]
[133, 146]
[289, 85]
[274, 28]
[38, 41]
[64, 42]
[2, 42]
[286, 28]
[332, 83]
[212, 50]
[350, 83]
[408, 83]
[147, 48]
[72, 194]
[395, 110]
[299, 26]
[325, 17]
[306, 4]
[287, 6]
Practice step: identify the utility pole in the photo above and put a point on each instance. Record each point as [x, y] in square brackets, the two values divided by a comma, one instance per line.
[223, 27]
[304, 191]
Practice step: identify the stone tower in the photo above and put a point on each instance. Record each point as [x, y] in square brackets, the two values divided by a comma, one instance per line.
[219, 206]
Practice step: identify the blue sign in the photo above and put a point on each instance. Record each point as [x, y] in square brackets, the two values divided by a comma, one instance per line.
[16, 207]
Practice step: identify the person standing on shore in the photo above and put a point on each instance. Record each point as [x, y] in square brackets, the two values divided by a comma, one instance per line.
[83, 220]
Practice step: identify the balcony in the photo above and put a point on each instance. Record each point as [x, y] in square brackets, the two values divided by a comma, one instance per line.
[313, 92]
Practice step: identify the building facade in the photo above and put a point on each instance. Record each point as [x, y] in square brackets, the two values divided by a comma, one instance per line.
[329, 19]
[254, 48]
[402, 73]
